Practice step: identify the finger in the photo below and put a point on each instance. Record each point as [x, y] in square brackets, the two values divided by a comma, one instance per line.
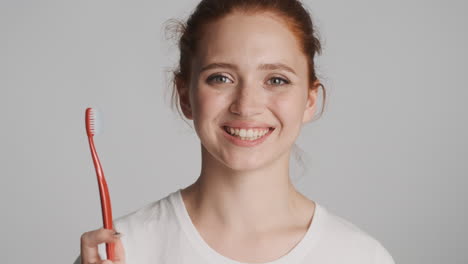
[119, 252]
[98, 236]
[90, 241]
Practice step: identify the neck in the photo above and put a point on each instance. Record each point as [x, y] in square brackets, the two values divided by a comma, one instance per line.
[243, 201]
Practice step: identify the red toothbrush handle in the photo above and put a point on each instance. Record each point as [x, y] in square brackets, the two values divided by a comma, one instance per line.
[104, 195]
[107, 215]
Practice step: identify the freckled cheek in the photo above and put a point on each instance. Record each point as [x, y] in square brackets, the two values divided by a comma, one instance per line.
[287, 109]
[209, 105]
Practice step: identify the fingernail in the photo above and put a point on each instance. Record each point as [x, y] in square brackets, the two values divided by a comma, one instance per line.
[117, 234]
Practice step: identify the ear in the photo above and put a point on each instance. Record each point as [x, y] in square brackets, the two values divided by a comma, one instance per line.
[311, 104]
[184, 97]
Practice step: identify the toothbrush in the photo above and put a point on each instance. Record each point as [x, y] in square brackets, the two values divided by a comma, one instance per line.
[93, 127]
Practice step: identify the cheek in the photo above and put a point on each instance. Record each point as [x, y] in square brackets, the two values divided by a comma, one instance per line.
[209, 104]
[289, 107]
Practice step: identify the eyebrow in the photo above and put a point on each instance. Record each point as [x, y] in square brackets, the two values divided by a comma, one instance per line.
[265, 66]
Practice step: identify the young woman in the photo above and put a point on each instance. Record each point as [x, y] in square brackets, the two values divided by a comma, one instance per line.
[247, 80]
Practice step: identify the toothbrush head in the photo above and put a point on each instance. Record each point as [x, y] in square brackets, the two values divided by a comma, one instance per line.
[93, 121]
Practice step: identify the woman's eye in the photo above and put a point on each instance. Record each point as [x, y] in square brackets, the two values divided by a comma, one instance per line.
[218, 77]
[276, 81]
[279, 81]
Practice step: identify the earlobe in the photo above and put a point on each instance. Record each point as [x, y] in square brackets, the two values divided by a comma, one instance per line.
[311, 104]
[186, 109]
[184, 98]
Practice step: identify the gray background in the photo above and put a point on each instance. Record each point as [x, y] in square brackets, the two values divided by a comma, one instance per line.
[389, 154]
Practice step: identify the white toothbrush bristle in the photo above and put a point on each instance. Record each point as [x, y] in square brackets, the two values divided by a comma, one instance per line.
[95, 121]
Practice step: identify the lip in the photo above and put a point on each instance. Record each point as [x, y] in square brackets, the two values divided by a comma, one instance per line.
[246, 143]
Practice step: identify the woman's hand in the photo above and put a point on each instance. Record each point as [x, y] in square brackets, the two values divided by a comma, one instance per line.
[89, 246]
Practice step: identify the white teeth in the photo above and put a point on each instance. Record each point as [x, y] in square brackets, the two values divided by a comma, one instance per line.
[242, 133]
[247, 134]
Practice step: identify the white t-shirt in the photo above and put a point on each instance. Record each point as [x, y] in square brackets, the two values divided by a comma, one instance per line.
[163, 233]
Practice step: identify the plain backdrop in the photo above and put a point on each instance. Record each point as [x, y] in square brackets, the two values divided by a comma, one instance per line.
[389, 154]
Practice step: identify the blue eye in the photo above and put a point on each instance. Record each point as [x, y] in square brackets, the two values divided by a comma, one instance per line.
[218, 77]
[281, 80]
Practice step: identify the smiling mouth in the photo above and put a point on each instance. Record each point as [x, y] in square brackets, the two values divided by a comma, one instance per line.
[249, 134]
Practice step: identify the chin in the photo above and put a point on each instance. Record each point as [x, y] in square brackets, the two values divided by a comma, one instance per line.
[244, 165]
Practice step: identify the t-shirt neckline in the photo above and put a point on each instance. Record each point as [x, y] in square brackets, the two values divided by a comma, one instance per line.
[295, 255]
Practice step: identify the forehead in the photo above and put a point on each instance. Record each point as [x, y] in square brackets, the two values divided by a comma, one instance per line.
[247, 39]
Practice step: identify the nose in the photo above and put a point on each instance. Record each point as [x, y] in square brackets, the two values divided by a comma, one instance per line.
[247, 101]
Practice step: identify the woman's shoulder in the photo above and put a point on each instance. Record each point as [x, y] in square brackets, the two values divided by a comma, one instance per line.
[148, 226]
[339, 232]
[147, 216]
[342, 228]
